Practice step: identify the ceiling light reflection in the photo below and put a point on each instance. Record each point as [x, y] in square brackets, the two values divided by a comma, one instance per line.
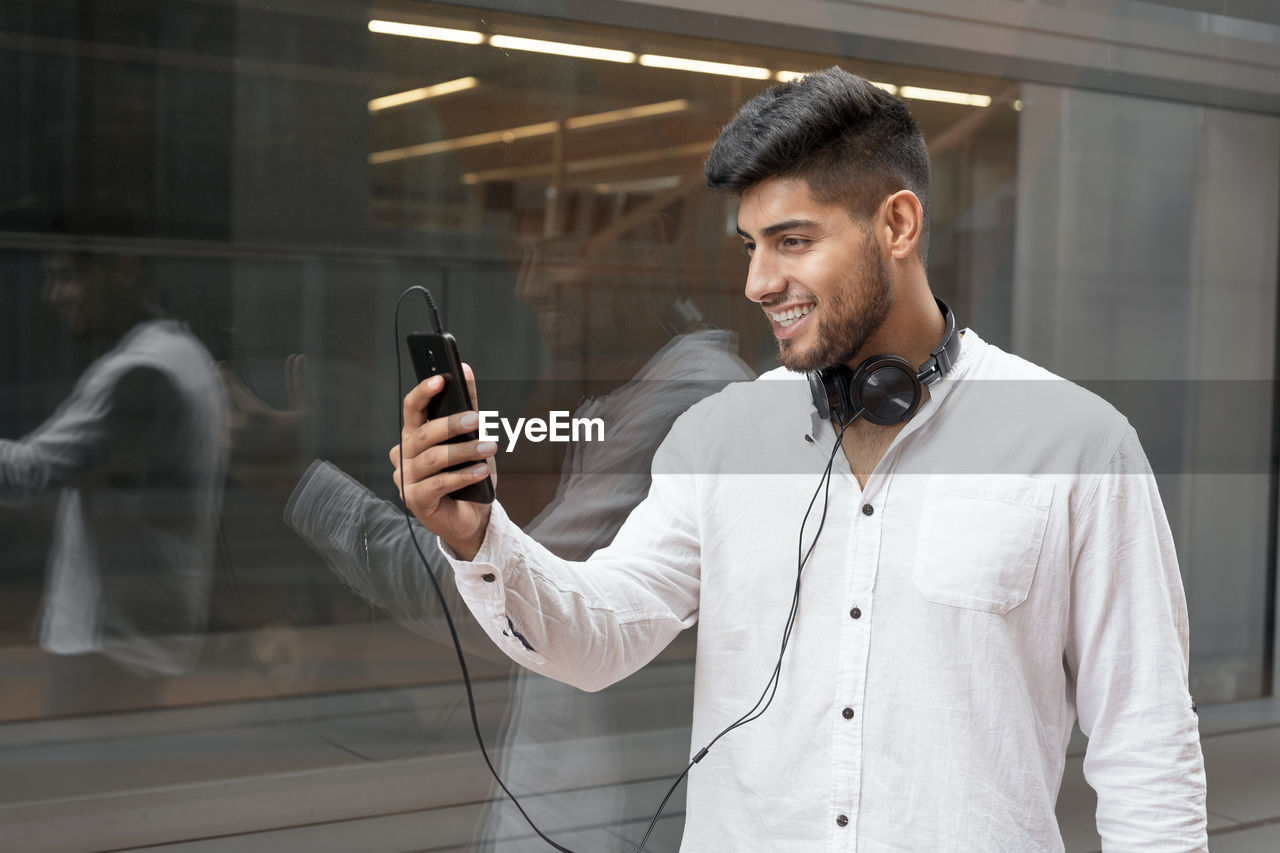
[527, 131]
[943, 96]
[751, 72]
[627, 114]
[577, 51]
[412, 96]
[475, 140]
[396, 28]
[576, 167]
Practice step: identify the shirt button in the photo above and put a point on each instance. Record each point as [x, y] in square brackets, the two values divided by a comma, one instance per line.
[488, 578]
[856, 613]
[847, 713]
[842, 821]
[868, 509]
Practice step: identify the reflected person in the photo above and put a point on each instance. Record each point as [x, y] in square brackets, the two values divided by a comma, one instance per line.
[611, 308]
[136, 457]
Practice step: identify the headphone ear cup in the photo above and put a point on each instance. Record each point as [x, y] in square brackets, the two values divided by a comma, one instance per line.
[832, 392]
[886, 389]
[818, 390]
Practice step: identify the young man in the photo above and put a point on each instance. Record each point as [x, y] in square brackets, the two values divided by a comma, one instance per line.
[983, 571]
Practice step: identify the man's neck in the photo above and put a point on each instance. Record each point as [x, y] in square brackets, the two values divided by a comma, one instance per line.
[913, 329]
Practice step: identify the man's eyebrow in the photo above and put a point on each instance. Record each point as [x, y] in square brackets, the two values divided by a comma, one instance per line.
[777, 227]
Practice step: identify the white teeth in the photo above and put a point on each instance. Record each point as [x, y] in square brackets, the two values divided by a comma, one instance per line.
[788, 317]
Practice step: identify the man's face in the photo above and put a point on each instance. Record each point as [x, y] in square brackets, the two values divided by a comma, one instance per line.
[553, 284]
[820, 277]
[585, 309]
[67, 291]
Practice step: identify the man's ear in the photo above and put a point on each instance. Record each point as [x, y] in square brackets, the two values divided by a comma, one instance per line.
[902, 223]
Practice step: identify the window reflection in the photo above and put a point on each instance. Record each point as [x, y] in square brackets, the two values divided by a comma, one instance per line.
[135, 458]
[257, 184]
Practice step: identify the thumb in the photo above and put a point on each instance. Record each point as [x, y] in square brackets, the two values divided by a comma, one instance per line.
[295, 378]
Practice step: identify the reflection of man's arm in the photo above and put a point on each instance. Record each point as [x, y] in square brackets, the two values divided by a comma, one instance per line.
[605, 480]
[363, 539]
[102, 430]
[365, 542]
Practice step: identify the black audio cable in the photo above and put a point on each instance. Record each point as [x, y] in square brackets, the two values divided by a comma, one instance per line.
[771, 688]
[448, 618]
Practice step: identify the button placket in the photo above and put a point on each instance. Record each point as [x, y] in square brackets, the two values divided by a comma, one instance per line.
[867, 528]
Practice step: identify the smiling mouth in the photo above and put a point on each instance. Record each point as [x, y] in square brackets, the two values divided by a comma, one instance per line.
[790, 316]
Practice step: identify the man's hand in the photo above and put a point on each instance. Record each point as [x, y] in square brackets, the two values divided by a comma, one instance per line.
[266, 442]
[425, 485]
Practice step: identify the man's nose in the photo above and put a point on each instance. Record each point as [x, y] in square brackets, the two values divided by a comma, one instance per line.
[528, 262]
[534, 286]
[534, 282]
[56, 291]
[765, 277]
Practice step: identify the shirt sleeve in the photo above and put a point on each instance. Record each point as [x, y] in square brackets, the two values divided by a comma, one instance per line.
[369, 545]
[592, 623]
[103, 430]
[1128, 652]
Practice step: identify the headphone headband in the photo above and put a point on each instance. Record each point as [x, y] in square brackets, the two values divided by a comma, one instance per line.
[944, 355]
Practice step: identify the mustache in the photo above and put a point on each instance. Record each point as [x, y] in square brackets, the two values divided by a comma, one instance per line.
[789, 296]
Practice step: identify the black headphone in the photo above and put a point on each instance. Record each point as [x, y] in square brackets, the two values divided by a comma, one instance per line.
[885, 389]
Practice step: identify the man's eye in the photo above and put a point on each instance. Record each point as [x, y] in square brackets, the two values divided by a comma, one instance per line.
[794, 242]
[749, 248]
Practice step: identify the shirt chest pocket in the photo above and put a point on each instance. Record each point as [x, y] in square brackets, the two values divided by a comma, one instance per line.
[980, 540]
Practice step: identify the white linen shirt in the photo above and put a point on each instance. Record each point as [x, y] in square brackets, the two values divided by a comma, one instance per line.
[1007, 567]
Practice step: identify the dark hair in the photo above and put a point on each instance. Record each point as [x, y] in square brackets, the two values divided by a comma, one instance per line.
[849, 140]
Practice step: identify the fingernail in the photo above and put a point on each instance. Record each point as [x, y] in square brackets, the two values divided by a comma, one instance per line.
[486, 447]
[479, 470]
[435, 382]
[469, 420]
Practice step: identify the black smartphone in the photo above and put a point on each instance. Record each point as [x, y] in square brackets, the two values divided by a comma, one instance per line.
[437, 355]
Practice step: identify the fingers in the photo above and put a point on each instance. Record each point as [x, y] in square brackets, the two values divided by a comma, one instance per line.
[238, 394]
[427, 480]
[295, 371]
[428, 466]
[434, 458]
[437, 431]
[471, 385]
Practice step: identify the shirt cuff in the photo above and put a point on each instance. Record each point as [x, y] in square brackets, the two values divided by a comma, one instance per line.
[482, 583]
[483, 573]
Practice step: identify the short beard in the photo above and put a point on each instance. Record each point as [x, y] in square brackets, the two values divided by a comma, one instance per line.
[851, 314]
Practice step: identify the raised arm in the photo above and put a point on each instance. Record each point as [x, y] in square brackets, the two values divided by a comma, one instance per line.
[585, 623]
[590, 623]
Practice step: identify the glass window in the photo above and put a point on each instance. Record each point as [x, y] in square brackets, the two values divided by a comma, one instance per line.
[212, 618]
